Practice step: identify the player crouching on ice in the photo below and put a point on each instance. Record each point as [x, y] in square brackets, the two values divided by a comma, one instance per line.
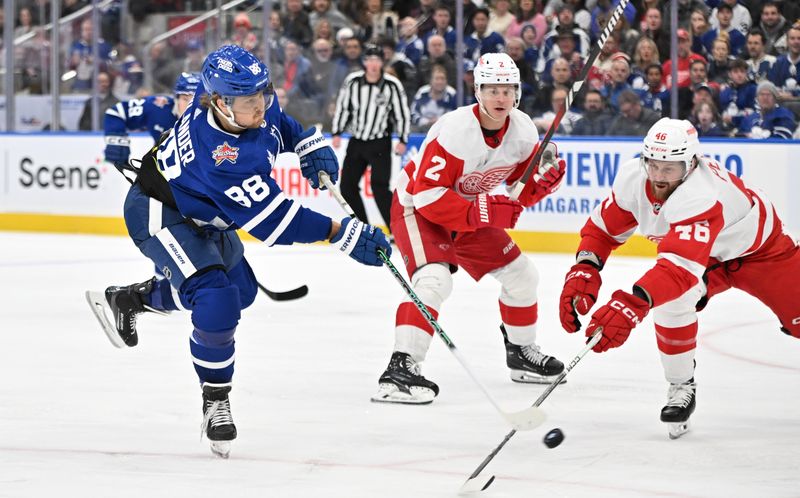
[207, 177]
[444, 217]
[713, 233]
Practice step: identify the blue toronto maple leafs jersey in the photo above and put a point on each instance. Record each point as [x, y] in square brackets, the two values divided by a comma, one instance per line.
[222, 180]
[154, 113]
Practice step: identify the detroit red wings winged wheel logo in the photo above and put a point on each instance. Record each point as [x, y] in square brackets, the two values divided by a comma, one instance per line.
[483, 182]
[225, 152]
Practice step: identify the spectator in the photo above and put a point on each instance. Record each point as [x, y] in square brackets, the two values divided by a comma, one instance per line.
[80, 58]
[737, 99]
[633, 119]
[276, 40]
[545, 121]
[720, 61]
[317, 83]
[645, 55]
[620, 70]
[567, 51]
[560, 77]
[296, 24]
[293, 71]
[469, 11]
[195, 54]
[784, 73]
[528, 12]
[323, 9]
[700, 94]
[243, 34]
[699, 28]
[436, 55]
[531, 50]
[771, 120]
[349, 62]
[381, 23]
[481, 40]
[515, 48]
[106, 99]
[432, 101]
[596, 119]
[582, 16]
[400, 67]
[706, 118]
[599, 72]
[685, 10]
[602, 12]
[409, 43]
[324, 31]
[654, 29]
[442, 27]
[724, 24]
[25, 22]
[469, 83]
[741, 16]
[685, 59]
[500, 17]
[566, 24]
[653, 96]
[698, 74]
[774, 27]
[760, 62]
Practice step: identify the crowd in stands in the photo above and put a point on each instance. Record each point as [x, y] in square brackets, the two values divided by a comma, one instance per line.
[738, 60]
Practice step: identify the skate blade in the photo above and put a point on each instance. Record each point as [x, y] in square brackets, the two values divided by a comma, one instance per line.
[390, 393]
[525, 377]
[221, 449]
[678, 429]
[98, 304]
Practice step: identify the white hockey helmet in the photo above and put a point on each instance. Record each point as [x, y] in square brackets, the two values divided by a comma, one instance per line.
[497, 69]
[672, 140]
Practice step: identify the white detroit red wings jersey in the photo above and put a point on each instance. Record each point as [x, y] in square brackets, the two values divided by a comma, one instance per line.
[456, 163]
[711, 214]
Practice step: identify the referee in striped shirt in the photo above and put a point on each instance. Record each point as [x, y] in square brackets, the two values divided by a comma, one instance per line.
[371, 105]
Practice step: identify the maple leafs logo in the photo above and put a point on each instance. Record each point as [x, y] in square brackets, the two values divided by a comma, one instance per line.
[225, 152]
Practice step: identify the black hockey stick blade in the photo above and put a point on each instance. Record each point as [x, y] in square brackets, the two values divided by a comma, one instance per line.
[289, 295]
[475, 484]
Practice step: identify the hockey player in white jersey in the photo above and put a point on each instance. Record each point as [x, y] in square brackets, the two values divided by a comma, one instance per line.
[713, 233]
[444, 217]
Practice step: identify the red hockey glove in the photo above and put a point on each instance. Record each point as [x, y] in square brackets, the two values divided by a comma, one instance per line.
[493, 211]
[547, 178]
[581, 288]
[617, 318]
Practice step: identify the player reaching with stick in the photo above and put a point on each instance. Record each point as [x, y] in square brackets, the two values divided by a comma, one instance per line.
[445, 217]
[207, 177]
[713, 233]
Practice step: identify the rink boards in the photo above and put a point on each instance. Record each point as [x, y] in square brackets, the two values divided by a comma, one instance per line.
[59, 183]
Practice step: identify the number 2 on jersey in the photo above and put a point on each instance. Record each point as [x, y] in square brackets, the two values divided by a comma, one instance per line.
[432, 172]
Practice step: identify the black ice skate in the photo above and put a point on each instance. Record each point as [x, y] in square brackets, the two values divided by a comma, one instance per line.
[680, 406]
[123, 304]
[402, 382]
[529, 365]
[217, 420]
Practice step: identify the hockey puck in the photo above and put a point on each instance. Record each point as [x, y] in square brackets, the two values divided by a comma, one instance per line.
[553, 438]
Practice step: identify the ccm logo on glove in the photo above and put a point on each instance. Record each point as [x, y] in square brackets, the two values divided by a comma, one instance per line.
[629, 313]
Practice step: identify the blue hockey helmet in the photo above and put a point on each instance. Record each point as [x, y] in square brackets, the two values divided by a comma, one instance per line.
[187, 83]
[232, 71]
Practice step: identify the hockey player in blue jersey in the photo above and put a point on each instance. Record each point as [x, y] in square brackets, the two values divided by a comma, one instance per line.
[156, 114]
[207, 177]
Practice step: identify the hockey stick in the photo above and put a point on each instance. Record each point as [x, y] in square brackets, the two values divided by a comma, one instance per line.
[284, 295]
[516, 190]
[526, 419]
[473, 484]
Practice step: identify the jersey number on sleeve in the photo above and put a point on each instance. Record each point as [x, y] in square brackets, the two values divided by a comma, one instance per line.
[700, 233]
[135, 107]
[254, 188]
[432, 173]
[168, 161]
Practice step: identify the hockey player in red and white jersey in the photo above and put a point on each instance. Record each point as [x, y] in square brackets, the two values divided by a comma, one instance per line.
[713, 233]
[445, 217]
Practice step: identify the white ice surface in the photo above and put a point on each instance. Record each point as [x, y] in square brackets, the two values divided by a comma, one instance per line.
[79, 418]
